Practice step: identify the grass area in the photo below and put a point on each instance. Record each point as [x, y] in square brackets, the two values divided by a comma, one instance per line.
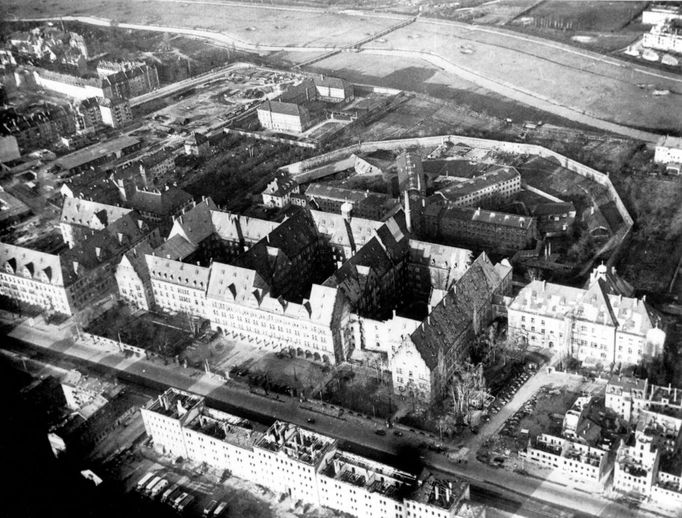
[582, 16]
[359, 389]
[144, 331]
[652, 255]
[266, 26]
[236, 174]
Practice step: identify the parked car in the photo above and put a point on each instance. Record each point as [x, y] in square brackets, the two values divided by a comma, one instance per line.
[380, 432]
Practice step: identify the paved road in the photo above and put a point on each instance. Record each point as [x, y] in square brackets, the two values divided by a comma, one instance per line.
[530, 494]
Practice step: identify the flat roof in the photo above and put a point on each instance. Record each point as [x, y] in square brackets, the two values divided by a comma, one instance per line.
[96, 151]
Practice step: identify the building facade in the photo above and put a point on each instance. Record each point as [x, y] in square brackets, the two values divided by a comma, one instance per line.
[579, 463]
[590, 325]
[283, 116]
[115, 112]
[299, 463]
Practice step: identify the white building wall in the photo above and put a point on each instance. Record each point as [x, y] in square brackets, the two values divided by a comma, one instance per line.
[667, 155]
[410, 372]
[166, 432]
[277, 331]
[32, 291]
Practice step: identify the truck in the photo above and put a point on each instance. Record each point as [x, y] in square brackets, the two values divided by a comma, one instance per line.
[178, 499]
[218, 510]
[144, 481]
[149, 487]
[168, 493]
[158, 488]
[184, 503]
[208, 510]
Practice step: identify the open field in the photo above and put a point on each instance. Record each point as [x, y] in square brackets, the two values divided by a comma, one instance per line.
[583, 16]
[567, 78]
[490, 13]
[265, 26]
[552, 76]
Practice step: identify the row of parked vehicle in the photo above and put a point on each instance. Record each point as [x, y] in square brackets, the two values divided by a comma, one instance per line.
[158, 488]
[506, 394]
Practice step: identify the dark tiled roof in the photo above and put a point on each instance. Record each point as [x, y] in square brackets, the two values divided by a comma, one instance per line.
[282, 108]
[453, 316]
[162, 203]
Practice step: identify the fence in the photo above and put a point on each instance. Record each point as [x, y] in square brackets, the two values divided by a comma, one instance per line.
[111, 343]
[516, 148]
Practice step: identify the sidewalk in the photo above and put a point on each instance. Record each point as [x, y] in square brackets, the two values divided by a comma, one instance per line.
[354, 429]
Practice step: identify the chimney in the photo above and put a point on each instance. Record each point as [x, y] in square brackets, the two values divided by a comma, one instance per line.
[119, 235]
[437, 492]
[76, 267]
[98, 253]
[448, 492]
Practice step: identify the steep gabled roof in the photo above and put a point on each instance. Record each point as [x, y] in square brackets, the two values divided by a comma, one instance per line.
[161, 203]
[43, 266]
[196, 224]
[91, 214]
[454, 314]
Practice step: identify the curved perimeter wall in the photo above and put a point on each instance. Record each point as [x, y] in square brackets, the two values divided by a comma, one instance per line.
[301, 170]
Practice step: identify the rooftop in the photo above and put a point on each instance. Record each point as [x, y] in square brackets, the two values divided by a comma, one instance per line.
[296, 443]
[96, 151]
[456, 188]
[174, 403]
[224, 427]
[91, 214]
[282, 108]
[373, 476]
[444, 493]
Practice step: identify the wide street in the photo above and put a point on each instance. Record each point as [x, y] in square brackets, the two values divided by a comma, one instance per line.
[531, 497]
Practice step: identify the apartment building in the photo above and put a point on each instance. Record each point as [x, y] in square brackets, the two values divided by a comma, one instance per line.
[37, 126]
[432, 269]
[95, 156]
[668, 151]
[197, 144]
[299, 463]
[88, 113]
[333, 89]
[626, 396]
[477, 227]
[132, 277]
[81, 218]
[180, 424]
[360, 487]
[289, 457]
[380, 336]
[657, 14]
[373, 279]
[283, 116]
[576, 462]
[501, 182]
[362, 204]
[666, 37]
[115, 112]
[636, 466]
[67, 282]
[589, 324]
[441, 498]
[278, 192]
